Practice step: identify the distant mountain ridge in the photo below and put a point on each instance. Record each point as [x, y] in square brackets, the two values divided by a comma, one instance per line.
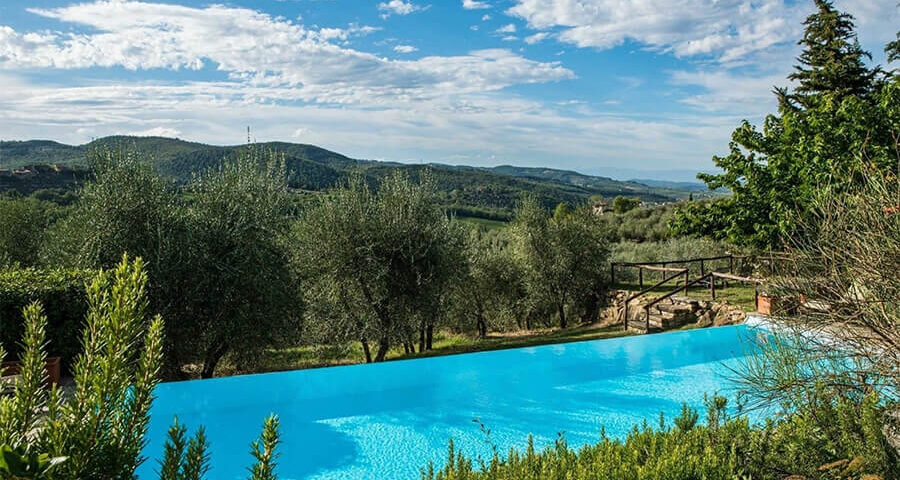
[479, 191]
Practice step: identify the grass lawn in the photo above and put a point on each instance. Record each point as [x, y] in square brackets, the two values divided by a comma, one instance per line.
[485, 223]
[445, 343]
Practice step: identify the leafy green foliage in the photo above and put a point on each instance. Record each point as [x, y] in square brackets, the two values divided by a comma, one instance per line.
[183, 458]
[622, 204]
[98, 428]
[565, 260]
[20, 465]
[23, 222]
[838, 119]
[60, 292]
[832, 60]
[221, 271]
[125, 208]
[643, 224]
[376, 264]
[491, 293]
[893, 50]
[234, 265]
[725, 447]
[264, 451]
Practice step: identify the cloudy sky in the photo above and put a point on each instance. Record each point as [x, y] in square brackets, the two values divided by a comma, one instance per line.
[610, 87]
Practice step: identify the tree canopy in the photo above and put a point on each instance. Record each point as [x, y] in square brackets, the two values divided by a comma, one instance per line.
[841, 119]
[378, 261]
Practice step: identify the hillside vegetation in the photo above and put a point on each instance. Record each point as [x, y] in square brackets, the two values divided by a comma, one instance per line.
[467, 191]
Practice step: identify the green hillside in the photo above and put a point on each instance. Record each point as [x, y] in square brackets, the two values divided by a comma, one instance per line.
[469, 191]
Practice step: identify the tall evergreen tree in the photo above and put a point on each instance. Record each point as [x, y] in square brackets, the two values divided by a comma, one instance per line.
[839, 119]
[893, 49]
[832, 60]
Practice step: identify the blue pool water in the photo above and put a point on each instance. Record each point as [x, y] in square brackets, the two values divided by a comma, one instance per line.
[389, 420]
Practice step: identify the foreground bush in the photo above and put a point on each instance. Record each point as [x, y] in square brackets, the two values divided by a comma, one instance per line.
[97, 430]
[724, 448]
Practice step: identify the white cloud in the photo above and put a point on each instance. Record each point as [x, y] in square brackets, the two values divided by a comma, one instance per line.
[405, 49]
[486, 129]
[486, 17]
[398, 7]
[353, 30]
[287, 61]
[724, 29]
[475, 4]
[536, 38]
[156, 132]
[508, 28]
[289, 80]
[726, 92]
[730, 31]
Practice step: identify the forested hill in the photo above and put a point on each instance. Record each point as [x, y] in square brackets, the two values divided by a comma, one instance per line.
[489, 192]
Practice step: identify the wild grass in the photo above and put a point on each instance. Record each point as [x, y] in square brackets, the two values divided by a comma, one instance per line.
[445, 343]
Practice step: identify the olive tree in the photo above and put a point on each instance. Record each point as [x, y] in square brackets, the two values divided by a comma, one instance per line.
[377, 261]
[22, 225]
[219, 269]
[491, 293]
[238, 284]
[565, 259]
[125, 207]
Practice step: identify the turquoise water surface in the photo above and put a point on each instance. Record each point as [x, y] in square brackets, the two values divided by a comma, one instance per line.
[387, 421]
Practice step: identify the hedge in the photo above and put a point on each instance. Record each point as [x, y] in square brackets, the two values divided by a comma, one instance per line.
[62, 294]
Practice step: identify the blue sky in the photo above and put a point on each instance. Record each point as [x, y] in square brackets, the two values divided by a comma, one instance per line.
[622, 88]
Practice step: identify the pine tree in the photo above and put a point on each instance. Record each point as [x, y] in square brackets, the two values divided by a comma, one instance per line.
[893, 49]
[832, 60]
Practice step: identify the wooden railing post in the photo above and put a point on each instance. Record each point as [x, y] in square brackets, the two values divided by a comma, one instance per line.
[686, 282]
[712, 287]
[641, 277]
[647, 317]
[702, 268]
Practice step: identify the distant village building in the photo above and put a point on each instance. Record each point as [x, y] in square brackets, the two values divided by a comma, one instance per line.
[600, 207]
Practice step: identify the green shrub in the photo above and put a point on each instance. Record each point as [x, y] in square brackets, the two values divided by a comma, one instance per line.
[96, 430]
[725, 447]
[60, 291]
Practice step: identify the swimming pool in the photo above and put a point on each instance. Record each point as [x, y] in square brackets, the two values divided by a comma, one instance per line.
[388, 420]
